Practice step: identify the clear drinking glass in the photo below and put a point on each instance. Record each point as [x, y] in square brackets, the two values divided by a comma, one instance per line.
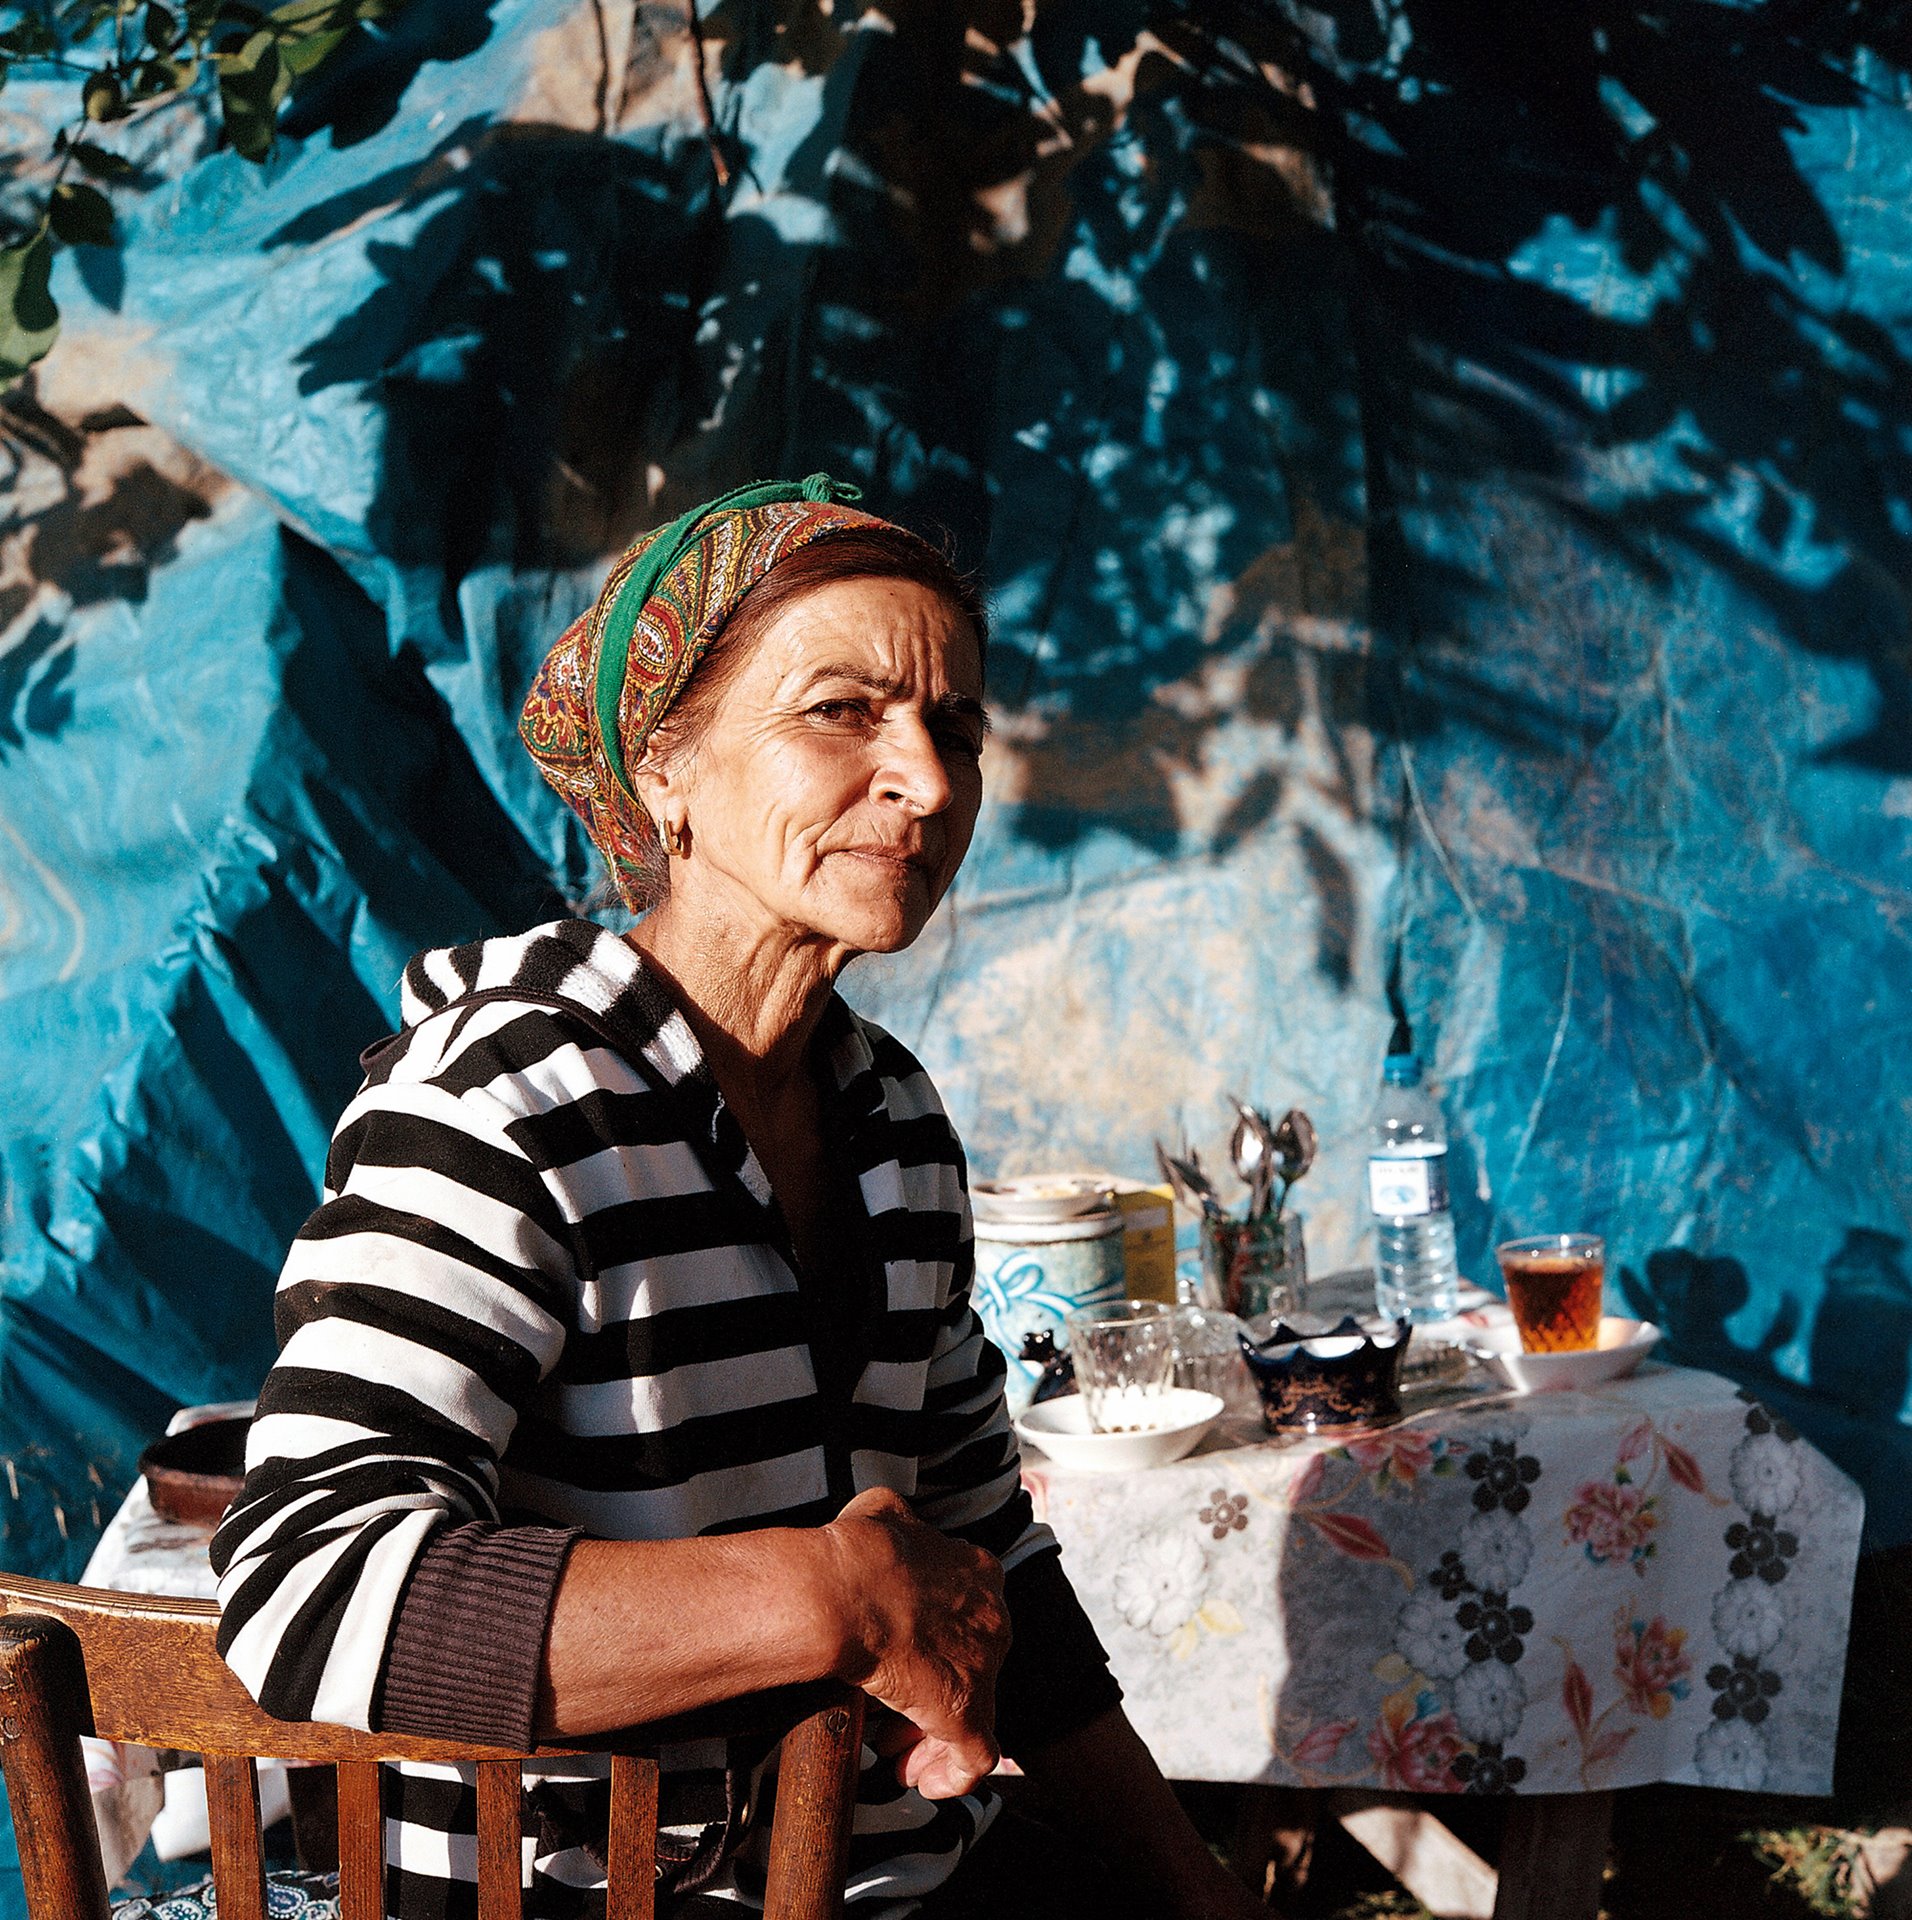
[1252, 1267]
[1124, 1356]
[1208, 1357]
[1555, 1283]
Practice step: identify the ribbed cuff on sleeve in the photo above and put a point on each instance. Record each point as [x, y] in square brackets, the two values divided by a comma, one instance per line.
[467, 1644]
[1056, 1678]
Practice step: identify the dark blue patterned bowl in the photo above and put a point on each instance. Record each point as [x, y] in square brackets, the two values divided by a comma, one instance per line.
[1349, 1376]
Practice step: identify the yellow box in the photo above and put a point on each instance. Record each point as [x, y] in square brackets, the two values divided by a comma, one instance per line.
[1148, 1237]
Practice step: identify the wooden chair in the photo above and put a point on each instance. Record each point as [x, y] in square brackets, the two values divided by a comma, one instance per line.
[81, 1660]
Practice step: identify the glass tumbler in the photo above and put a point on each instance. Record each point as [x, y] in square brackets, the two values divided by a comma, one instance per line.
[1208, 1357]
[1124, 1356]
[1254, 1267]
[1555, 1283]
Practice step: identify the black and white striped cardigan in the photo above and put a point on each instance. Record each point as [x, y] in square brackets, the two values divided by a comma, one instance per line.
[548, 1292]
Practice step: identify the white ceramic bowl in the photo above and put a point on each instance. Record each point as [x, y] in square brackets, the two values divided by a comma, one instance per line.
[1038, 1197]
[1061, 1429]
[1623, 1345]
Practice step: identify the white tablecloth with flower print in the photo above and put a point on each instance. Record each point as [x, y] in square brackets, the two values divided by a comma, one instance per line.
[1553, 1593]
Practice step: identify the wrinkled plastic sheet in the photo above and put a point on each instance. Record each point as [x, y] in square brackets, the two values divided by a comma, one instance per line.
[1597, 748]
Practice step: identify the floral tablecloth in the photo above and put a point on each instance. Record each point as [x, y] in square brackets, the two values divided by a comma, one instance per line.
[1551, 1593]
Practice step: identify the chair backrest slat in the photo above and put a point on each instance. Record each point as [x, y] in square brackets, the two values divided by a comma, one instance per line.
[232, 1814]
[42, 1715]
[809, 1840]
[361, 1842]
[631, 1852]
[500, 1840]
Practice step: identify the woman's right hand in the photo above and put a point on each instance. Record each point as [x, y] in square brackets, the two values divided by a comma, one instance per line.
[922, 1629]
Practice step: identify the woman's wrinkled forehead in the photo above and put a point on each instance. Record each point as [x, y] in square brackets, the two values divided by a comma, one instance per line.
[895, 637]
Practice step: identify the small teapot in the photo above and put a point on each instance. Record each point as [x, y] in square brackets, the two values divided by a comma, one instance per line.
[1058, 1369]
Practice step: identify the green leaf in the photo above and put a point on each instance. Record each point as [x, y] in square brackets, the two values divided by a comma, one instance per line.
[82, 216]
[252, 82]
[30, 37]
[306, 15]
[102, 98]
[303, 54]
[29, 321]
[150, 79]
[250, 131]
[101, 164]
[253, 64]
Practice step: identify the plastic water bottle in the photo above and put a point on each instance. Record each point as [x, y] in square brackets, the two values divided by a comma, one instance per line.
[1414, 1274]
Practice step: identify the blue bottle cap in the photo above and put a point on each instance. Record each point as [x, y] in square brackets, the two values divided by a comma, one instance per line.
[1403, 1069]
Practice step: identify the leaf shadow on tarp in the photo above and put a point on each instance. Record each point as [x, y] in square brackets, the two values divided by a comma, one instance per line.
[531, 343]
[36, 672]
[1859, 1351]
[1195, 360]
[90, 511]
[1579, 256]
[1594, 266]
[358, 91]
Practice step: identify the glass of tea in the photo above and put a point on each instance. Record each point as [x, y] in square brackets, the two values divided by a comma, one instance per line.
[1555, 1283]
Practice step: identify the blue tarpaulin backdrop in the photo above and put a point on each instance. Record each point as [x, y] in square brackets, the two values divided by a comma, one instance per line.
[1444, 474]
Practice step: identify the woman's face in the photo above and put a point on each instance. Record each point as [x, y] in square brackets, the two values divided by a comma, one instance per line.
[837, 786]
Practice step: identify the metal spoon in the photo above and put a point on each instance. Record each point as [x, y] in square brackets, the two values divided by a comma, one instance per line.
[1294, 1144]
[1253, 1150]
[1193, 1188]
[1203, 1185]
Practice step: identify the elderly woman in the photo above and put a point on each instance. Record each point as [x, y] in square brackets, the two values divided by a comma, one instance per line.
[628, 1365]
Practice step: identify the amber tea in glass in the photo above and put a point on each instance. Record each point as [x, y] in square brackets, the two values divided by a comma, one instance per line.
[1555, 1283]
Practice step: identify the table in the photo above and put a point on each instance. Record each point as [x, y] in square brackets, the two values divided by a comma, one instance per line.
[1550, 1595]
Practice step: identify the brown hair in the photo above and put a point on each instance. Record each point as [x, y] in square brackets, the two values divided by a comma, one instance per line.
[867, 553]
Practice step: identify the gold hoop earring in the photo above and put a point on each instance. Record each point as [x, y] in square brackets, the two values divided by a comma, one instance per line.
[676, 840]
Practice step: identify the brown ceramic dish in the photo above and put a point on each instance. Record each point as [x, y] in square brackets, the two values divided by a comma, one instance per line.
[195, 1476]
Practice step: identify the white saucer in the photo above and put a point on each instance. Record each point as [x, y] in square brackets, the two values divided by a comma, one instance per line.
[1623, 1345]
[1038, 1198]
[1061, 1429]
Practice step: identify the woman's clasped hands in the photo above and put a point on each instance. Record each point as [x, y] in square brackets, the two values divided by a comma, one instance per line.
[924, 1632]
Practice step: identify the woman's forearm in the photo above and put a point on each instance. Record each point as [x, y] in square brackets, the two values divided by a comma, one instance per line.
[644, 1629]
